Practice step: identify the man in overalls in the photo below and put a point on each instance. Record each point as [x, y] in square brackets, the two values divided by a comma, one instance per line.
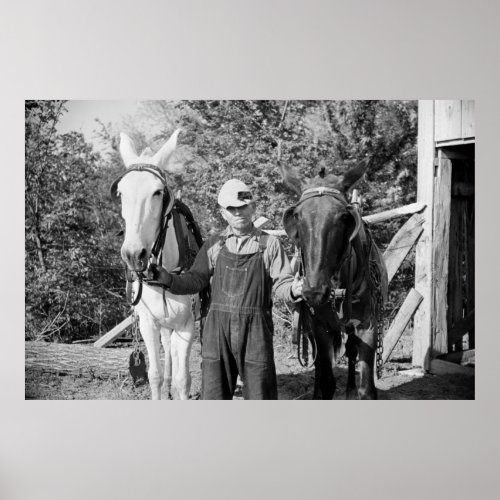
[244, 266]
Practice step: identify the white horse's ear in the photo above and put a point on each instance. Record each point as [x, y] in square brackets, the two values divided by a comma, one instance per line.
[161, 159]
[127, 150]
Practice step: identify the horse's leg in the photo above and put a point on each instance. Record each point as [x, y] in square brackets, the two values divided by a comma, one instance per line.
[325, 362]
[351, 352]
[151, 335]
[166, 335]
[182, 341]
[317, 376]
[366, 349]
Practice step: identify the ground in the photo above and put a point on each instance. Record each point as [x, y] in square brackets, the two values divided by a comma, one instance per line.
[85, 372]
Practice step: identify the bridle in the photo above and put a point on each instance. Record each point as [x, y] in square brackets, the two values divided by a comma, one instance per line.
[350, 207]
[166, 213]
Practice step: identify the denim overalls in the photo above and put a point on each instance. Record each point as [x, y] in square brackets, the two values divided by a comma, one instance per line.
[238, 333]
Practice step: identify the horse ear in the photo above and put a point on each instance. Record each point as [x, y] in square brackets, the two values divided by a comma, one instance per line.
[291, 179]
[127, 150]
[290, 224]
[162, 157]
[354, 174]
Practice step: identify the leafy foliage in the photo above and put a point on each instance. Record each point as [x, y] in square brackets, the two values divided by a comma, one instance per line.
[68, 278]
[73, 271]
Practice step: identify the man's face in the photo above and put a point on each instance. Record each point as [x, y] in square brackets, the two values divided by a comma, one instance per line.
[239, 218]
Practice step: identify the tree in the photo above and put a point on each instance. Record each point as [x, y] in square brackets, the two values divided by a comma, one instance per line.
[67, 247]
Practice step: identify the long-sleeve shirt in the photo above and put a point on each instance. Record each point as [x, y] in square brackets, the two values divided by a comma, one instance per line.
[275, 261]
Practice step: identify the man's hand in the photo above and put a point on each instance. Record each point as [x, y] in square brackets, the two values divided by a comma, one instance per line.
[157, 275]
[297, 287]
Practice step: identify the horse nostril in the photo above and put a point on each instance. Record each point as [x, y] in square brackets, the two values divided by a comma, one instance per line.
[142, 254]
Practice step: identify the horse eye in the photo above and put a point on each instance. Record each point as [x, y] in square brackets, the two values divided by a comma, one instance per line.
[158, 193]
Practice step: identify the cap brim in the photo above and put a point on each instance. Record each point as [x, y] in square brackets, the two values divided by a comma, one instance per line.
[235, 203]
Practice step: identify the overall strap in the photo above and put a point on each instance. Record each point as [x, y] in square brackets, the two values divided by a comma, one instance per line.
[263, 239]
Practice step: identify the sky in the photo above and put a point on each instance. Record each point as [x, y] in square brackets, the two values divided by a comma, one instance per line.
[81, 116]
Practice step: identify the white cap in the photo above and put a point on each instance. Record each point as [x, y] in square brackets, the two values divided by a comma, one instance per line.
[234, 193]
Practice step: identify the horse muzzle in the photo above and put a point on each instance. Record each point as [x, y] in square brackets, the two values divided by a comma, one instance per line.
[136, 260]
[316, 296]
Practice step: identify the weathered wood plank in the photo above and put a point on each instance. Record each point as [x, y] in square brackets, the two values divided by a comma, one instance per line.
[468, 119]
[116, 332]
[403, 317]
[423, 252]
[396, 212]
[441, 367]
[442, 210]
[448, 120]
[261, 222]
[402, 243]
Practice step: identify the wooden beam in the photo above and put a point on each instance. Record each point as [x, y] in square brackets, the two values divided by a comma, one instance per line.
[261, 222]
[441, 248]
[422, 326]
[402, 243]
[396, 212]
[116, 332]
[403, 317]
[441, 367]
[374, 218]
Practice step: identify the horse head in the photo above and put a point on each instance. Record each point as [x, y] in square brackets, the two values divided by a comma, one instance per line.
[145, 198]
[322, 224]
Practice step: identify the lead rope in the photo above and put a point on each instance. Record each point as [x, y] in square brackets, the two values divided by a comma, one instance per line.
[303, 336]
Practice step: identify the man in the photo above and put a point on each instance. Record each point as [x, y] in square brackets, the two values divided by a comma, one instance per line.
[244, 266]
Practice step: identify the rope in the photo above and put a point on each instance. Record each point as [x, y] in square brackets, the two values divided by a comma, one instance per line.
[303, 337]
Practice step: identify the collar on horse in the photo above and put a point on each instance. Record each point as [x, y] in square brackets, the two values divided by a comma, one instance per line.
[168, 203]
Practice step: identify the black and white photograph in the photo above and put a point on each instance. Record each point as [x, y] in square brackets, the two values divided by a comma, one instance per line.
[240, 251]
[250, 249]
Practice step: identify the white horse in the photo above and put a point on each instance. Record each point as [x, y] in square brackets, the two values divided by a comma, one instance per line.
[163, 317]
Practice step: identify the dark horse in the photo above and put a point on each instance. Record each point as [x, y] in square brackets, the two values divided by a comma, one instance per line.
[338, 255]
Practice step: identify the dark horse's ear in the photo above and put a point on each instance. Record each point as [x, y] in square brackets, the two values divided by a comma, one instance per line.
[290, 224]
[354, 174]
[291, 179]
